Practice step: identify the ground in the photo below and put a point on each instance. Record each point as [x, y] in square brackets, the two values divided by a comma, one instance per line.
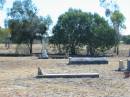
[17, 79]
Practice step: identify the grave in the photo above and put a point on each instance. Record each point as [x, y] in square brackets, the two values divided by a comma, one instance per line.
[43, 55]
[127, 72]
[128, 65]
[87, 60]
[44, 41]
[67, 75]
[121, 66]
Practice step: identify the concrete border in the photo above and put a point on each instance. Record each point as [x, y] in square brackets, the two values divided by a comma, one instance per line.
[87, 60]
[66, 75]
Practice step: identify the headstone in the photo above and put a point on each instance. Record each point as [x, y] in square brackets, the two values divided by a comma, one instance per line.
[70, 59]
[128, 65]
[121, 65]
[129, 52]
[39, 71]
[44, 55]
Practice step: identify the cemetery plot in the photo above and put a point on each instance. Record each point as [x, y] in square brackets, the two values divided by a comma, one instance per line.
[88, 60]
[68, 75]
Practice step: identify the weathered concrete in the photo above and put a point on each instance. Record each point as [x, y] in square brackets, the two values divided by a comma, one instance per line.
[39, 71]
[79, 75]
[121, 66]
[87, 60]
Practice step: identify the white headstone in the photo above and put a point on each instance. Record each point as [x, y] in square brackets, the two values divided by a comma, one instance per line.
[121, 65]
[44, 54]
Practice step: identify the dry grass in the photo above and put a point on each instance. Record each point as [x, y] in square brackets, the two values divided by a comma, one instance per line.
[123, 49]
[17, 79]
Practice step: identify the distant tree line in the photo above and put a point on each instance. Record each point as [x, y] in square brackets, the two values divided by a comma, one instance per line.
[126, 39]
[74, 29]
[4, 34]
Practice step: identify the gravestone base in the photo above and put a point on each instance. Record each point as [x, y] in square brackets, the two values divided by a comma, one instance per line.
[121, 66]
[87, 60]
[44, 55]
[67, 75]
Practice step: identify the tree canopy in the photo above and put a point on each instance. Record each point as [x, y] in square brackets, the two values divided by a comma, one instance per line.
[2, 3]
[25, 25]
[103, 36]
[76, 28]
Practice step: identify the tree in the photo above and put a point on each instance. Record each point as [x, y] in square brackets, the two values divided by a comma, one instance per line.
[102, 36]
[76, 29]
[70, 28]
[25, 25]
[116, 17]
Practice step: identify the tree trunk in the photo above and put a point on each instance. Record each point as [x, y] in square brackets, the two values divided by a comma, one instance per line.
[116, 27]
[117, 50]
[59, 48]
[72, 50]
[31, 42]
[88, 50]
[92, 51]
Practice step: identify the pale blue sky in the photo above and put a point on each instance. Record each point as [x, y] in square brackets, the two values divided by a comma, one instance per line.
[54, 8]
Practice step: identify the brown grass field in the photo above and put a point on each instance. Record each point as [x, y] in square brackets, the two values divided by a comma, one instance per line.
[17, 78]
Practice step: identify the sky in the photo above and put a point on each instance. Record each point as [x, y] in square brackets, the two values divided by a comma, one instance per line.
[55, 8]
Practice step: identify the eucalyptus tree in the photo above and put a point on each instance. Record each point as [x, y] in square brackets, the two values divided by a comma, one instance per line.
[75, 29]
[116, 17]
[25, 24]
[102, 36]
[70, 29]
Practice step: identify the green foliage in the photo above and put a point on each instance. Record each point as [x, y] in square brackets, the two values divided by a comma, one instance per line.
[118, 19]
[115, 16]
[76, 28]
[2, 3]
[25, 25]
[126, 39]
[71, 27]
[102, 36]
